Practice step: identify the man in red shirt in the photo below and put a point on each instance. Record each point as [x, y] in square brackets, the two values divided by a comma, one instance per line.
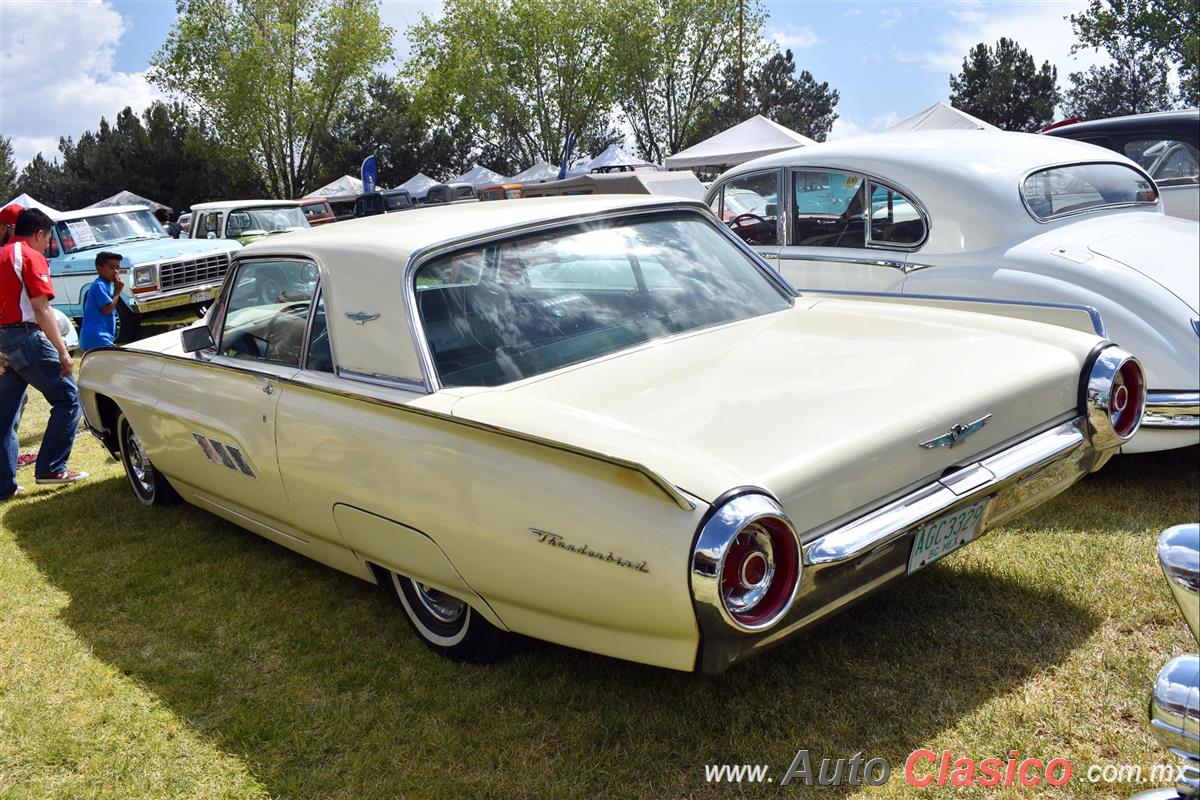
[34, 355]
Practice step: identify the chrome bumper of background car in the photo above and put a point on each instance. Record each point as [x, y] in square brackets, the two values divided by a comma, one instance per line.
[1172, 410]
[846, 564]
[174, 298]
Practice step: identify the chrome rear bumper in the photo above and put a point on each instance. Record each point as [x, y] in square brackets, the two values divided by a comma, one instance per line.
[1172, 410]
[846, 564]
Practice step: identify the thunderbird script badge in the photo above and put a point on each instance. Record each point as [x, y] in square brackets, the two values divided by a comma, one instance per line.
[957, 433]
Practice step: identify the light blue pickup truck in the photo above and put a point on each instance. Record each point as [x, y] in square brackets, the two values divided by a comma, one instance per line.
[160, 273]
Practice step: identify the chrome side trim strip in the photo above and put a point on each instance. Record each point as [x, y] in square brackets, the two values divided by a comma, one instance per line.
[787, 255]
[1172, 410]
[897, 518]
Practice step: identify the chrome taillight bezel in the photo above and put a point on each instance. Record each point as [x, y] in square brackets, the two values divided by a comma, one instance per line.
[713, 546]
[1110, 364]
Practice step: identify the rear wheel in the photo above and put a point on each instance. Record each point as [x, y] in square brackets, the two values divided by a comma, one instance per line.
[149, 485]
[447, 625]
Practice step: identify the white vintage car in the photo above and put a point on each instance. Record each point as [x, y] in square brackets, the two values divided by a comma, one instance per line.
[1009, 216]
[603, 422]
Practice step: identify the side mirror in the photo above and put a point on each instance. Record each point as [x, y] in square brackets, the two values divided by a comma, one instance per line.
[198, 338]
[1179, 555]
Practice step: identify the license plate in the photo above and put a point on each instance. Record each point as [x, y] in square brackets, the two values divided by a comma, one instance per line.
[202, 297]
[944, 535]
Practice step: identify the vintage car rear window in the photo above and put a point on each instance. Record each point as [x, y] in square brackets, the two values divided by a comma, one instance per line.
[528, 305]
[1072, 188]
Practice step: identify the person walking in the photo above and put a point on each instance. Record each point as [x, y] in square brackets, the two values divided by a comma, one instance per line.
[35, 355]
[99, 328]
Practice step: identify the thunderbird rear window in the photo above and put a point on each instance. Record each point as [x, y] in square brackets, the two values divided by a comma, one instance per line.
[1074, 188]
[531, 304]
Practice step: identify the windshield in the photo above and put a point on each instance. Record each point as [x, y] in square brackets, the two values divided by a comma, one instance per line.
[264, 220]
[108, 229]
[532, 304]
[1072, 188]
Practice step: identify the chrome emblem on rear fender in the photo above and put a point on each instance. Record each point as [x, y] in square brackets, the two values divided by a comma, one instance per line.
[957, 433]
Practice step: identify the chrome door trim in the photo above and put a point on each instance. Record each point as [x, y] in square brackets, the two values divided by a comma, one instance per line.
[871, 262]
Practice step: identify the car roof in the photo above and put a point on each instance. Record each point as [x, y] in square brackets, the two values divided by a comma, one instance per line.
[364, 261]
[1182, 122]
[217, 205]
[967, 180]
[97, 211]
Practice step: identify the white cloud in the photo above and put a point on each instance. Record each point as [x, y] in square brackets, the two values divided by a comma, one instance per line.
[1041, 28]
[890, 17]
[57, 70]
[793, 37]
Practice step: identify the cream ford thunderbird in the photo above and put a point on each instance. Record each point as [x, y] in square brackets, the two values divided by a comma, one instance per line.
[603, 422]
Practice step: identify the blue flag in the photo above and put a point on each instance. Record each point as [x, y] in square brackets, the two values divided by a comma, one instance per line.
[370, 174]
[562, 171]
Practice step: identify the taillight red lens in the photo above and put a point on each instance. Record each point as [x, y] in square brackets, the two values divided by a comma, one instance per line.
[1127, 399]
[759, 571]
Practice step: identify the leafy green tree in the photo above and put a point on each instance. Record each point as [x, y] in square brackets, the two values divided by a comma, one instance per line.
[1168, 28]
[1135, 83]
[520, 74]
[774, 90]
[271, 75]
[1004, 87]
[44, 181]
[672, 57]
[8, 170]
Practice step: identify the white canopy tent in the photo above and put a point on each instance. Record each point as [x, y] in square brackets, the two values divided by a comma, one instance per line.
[479, 177]
[613, 156]
[342, 187]
[25, 201]
[940, 116]
[541, 171]
[418, 185]
[127, 198]
[757, 136]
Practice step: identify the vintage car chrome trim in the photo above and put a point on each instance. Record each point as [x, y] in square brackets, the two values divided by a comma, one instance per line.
[300, 379]
[868, 553]
[1093, 314]
[1179, 556]
[1175, 706]
[712, 544]
[1067, 214]
[419, 257]
[1172, 410]
[1097, 394]
[388, 381]
[785, 253]
[897, 518]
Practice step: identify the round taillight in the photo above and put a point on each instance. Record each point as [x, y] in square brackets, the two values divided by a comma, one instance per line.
[1115, 396]
[1126, 403]
[747, 563]
[758, 573]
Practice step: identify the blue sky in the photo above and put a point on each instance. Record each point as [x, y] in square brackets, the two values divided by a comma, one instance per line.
[64, 63]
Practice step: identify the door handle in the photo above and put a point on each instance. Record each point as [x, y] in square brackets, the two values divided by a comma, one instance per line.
[269, 389]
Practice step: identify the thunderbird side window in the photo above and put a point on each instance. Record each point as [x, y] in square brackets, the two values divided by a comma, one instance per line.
[895, 220]
[267, 312]
[749, 205]
[320, 355]
[829, 209]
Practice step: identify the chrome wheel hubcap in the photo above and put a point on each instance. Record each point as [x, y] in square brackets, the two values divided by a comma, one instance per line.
[139, 464]
[442, 606]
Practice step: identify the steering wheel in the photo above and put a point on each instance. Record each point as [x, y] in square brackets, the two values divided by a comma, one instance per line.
[736, 222]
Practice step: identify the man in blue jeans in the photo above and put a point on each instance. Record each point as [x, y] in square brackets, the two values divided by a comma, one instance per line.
[34, 355]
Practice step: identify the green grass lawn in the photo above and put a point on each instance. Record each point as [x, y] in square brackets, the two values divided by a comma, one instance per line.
[165, 653]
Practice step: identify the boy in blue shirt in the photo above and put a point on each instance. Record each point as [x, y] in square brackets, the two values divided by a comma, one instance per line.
[99, 307]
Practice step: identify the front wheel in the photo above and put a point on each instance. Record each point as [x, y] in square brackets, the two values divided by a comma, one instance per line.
[128, 322]
[149, 485]
[447, 625]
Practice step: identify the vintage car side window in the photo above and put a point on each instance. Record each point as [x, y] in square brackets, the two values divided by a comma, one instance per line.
[1074, 188]
[266, 315]
[1175, 165]
[750, 207]
[320, 355]
[527, 305]
[829, 209]
[895, 220]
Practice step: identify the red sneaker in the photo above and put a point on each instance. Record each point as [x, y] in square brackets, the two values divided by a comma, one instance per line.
[66, 476]
[25, 459]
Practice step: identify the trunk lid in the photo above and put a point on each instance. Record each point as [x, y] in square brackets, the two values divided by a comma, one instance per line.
[1168, 254]
[824, 405]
